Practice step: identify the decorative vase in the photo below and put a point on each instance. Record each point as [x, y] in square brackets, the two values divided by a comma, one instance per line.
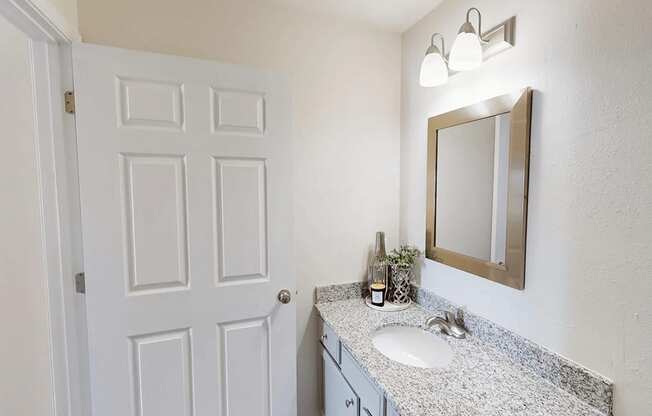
[401, 278]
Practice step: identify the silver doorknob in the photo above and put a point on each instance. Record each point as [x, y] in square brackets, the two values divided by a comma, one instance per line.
[284, 296]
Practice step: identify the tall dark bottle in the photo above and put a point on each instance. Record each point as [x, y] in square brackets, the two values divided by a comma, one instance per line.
[378, 272]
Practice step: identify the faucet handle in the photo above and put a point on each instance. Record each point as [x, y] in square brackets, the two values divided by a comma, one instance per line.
[456, 317]
[459, 315]
[450, 317]
[456, 323]
[449, 325]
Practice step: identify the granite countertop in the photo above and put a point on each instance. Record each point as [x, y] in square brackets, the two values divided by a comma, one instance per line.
[481, 380]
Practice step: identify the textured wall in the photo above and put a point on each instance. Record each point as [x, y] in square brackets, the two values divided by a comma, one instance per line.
[345, 83]
[588, 289]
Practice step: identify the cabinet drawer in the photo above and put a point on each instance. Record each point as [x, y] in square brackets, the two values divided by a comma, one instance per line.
[339, 398]
[371, 400]
[330, 341]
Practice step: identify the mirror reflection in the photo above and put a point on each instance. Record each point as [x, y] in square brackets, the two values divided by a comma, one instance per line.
[471, 188]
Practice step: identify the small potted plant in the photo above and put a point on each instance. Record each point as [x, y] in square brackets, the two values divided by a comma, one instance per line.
[401, 262]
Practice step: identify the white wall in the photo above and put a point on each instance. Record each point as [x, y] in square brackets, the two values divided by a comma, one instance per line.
[345, 81]
[588, 289]
[24, 355]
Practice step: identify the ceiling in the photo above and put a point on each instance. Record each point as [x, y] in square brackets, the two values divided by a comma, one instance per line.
[390, 15]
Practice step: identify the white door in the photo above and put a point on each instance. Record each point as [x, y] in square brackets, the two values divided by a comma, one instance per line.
[184, 172]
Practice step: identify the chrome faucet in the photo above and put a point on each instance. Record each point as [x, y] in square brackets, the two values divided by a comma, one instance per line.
[449, 324]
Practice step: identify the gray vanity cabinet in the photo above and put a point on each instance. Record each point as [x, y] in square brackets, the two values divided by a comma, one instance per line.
[330, 342]
[372, 401]
[391, 411]
[347, 390]
[339, 397]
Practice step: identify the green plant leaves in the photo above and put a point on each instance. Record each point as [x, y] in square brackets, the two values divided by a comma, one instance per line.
[404, 256]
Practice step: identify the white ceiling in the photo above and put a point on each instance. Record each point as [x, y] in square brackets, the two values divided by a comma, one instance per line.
[390, 15]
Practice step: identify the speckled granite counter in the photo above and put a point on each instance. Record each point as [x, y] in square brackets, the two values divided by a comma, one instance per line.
[481, 380]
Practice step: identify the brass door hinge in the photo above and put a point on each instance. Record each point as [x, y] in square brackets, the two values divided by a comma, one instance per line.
[69, 102]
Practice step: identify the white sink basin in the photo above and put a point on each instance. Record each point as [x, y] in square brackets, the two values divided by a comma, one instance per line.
[413, 346]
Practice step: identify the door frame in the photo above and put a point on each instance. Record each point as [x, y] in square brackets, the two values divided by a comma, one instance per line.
[50, 38]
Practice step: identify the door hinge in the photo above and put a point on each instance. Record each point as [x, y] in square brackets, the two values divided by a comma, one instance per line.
[80, 283]
[69, 102]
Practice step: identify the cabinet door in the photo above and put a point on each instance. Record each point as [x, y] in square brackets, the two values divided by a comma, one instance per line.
[339, 398]
[391, 410]
[371, 400]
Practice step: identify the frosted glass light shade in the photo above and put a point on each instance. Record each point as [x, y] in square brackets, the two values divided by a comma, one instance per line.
[433, 70]
[466, 53]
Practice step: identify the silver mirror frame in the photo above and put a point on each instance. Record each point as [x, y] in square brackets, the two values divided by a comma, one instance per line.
[512, 272]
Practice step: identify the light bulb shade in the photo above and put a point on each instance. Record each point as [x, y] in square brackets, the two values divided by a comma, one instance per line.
[433, 70]
[466, 53]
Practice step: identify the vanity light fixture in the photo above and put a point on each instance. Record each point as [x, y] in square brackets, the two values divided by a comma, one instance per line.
[470, 50]
[434, 70]
[466, 53]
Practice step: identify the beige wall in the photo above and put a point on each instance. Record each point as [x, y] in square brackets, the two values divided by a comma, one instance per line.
[67, 9]
[588, 290]
[62, 13]
[24, 355]
[345, 83]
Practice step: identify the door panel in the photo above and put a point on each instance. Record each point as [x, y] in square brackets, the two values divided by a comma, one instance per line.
[154, 207]
[245, 349]
[242, 219]
[186, 214]
[162, 374]
[238, 112]
[150, 104]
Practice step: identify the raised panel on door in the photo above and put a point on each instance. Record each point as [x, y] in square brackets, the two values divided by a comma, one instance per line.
[244, 359]
[147, 103]
[238, 112]
[241, 219]
[162, 374]
[154, 206]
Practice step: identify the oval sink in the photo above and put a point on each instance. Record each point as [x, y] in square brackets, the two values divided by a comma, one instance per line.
[413, 346]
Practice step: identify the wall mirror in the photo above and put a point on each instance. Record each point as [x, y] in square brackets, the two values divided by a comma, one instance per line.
[477, 179]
